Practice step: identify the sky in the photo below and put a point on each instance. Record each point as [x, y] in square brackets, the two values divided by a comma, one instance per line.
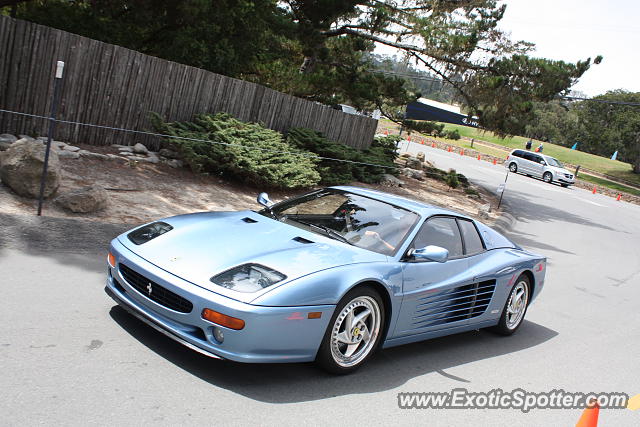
[574, 30]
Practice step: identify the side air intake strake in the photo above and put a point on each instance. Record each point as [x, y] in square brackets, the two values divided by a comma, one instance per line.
[249, 220]
[302, 240]
[452, 305]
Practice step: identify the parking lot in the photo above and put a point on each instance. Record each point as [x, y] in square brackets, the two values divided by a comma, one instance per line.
[69, 356]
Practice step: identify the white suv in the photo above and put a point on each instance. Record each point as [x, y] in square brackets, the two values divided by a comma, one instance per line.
[539, 166]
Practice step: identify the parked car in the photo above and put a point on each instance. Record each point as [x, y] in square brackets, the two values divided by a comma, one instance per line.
[539, 166]
[329, 276]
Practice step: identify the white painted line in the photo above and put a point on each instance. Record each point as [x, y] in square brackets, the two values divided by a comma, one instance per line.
[589, 201]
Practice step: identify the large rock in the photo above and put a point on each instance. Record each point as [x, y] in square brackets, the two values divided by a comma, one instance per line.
[420, 156]
[21, 168]
[390, 180]
[169, 154]
[84, 200]
[413, 163]
[140, 149]
[7, 137]
[4, 145]
[63, 154]
[412, 173]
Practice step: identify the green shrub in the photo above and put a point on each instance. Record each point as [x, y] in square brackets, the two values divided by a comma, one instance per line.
[452, 134]
[251, 157]
[452, 179]
[332, 172]
[429, 128]
[471, 191]
[463, 180]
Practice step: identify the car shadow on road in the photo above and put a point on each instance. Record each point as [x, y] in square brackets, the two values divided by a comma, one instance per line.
[302, 382]
[77, 242]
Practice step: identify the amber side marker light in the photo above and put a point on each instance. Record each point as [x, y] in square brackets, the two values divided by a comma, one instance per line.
[314, 315]
[111, 260]
[222, 319]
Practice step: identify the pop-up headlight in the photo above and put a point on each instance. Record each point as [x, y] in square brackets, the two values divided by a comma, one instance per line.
[148, 232]
[248, 278]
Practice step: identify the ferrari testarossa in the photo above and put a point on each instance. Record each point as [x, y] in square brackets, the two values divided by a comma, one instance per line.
[328, 276]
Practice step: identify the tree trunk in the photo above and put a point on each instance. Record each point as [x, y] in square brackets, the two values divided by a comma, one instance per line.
[636, 165]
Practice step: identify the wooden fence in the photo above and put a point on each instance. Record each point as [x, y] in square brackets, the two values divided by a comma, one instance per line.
[109, 85]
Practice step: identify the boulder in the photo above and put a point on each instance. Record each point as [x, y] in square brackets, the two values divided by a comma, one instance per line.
[483, 211]
[84, 200]
[64, 154]
[169, 154]
[414, 163]
[99, 156]
[7, 137]
[390, 180]
[21, 169]
[413, 173]
[123, 149]
[140, 149]
[4, 145]
[176, 164]
[27, 137]
[71, 148]
[420, 156]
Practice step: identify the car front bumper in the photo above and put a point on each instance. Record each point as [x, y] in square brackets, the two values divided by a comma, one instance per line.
[270, 335]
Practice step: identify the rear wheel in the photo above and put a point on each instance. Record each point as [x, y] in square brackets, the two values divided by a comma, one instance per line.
[564, 185]
[513, 167]
[547, 177]
[354, 332]
[515, 308]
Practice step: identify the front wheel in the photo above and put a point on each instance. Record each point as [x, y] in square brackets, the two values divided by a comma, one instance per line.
[513, 167]
[547, 177]
[515, 308]
[354, 332]
[564, 185]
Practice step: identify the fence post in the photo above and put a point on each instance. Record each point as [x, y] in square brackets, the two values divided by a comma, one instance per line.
[52, 129]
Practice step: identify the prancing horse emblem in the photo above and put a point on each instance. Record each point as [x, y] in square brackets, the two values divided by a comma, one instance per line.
[149, 288]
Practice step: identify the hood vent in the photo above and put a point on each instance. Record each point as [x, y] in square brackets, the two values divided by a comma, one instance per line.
[249, 220]
[302, 240]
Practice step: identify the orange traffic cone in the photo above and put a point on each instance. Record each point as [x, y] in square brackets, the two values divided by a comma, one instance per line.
[386, 132]
[409, 138]
[478, 156]
[495, 162]
[449, 149]
[462, 152]
[589, 416]
[433, 145]
[619, 196]
[594, 189]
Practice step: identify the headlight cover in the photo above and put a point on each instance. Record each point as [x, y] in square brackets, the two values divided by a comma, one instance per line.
[248, 278]
[149, 232]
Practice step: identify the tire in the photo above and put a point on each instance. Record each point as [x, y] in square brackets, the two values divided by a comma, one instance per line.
[547, 177]
[333, 355]
[564, 185]
[513, 167]
[513, 312]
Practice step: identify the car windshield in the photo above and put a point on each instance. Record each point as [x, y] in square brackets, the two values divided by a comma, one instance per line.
[554, 162]
[357, 220]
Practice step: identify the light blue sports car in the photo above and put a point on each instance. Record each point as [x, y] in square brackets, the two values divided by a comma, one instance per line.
[328, 276]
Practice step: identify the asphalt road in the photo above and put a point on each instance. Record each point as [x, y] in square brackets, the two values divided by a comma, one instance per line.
[68, 356]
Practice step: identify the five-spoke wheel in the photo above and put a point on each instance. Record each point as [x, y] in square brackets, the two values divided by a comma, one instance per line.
[547, 177]
[354, 331]
[513, 167]
[515, 307]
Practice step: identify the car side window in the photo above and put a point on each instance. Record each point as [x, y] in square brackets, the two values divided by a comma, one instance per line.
[531, 157]
[517, 153]
[472, 241]
[440, 231]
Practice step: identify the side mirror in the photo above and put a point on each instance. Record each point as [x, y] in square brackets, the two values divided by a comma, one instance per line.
[431, 253]
[263, 199]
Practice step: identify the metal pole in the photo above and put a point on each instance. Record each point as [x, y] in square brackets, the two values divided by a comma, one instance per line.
[502, 192]
[52, 129]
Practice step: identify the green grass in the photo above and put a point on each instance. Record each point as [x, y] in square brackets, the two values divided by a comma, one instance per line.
[606, 183]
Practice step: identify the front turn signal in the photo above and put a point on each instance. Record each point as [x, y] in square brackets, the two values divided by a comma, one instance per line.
[111, 260]
[222, 319]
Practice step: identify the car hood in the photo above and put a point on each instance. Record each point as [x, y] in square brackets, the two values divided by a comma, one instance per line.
[559, 170]
[203, 245]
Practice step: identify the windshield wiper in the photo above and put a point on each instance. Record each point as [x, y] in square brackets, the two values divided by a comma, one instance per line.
[329, 232]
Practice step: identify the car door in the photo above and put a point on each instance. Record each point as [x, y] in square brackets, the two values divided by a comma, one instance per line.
[435, 295]
[528, 163]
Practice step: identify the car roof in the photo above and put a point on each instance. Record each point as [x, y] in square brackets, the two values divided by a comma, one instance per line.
[423, 209]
